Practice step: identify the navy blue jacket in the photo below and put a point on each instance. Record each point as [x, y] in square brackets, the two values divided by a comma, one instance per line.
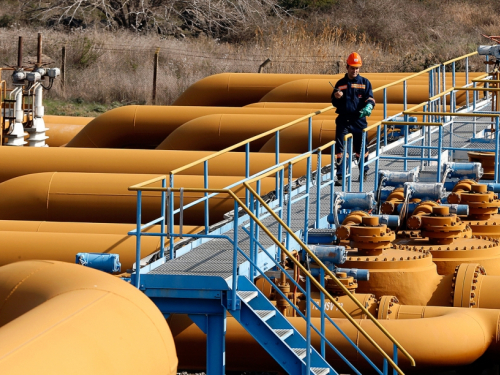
[357, 94]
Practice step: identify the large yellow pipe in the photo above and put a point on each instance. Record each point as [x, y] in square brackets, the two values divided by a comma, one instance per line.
[63, 128]
[239, 89]
[105, 198]
[147, 126]
[61, 241]
[319, 90]
[59, 318]
[448, 339]
[216, 132]
[28, 160]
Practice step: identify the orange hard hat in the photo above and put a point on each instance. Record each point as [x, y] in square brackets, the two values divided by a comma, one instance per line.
[354, 60]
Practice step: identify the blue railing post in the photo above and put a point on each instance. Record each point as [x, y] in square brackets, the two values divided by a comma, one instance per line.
[322, 312]
[289, 204]
[247, 172]
[440, 150]
[395, 358]
[277, 159]
[497, 148]
[332, 178]
[171, 217]
[308, 326]
[281, 201]
[205, 186]
[257, 229]
[453, 80]
[235, 258]
[385, 116]
[467, 81]
[362, 160]
[377, 156]
[162, 225]
[252, 233]
[318, 191]
[308, 192]
[138, 240]
[386, 367]
[310, 135]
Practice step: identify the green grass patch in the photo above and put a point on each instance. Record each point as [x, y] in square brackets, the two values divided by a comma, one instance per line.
[76, 107]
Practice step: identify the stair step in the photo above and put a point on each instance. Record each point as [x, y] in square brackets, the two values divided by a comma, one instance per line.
[265, 314]
[300, 352]
[320, 370]
[283, 334]
[247, 296]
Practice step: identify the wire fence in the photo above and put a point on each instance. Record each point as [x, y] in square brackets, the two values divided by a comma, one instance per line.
[122, 71]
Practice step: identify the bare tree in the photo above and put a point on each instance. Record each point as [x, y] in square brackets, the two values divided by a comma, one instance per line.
[217, 18]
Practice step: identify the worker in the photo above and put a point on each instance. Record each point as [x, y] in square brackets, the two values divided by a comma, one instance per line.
[353, 98]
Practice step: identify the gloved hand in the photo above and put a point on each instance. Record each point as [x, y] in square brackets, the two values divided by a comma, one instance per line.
[367, 111]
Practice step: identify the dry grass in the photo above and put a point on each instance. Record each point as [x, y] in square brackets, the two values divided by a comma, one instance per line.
[117, 67]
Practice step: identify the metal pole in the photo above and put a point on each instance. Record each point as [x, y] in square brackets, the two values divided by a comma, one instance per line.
[235, 257]
[155, 73]
[362, 161]
[163, 203]
[440, 148]
[252, 234]
[377, 160]
[322, 282]
[318, 191]
[39, 51]
[138, 240]
[310, 142]
[281, 199]
[171, 217]
[63, 68]
[467, 80]
[20, 52]
[308, 192]
[332, 177]
[385, 116]
[308, 324]
[289, 204]
[247, 171]
[497, 147]
[205, 186]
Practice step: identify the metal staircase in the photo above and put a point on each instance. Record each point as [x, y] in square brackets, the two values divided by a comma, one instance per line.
[275, 333]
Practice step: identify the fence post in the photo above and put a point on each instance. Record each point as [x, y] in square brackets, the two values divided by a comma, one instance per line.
[63, 69]
[263, 65]
[155, 73]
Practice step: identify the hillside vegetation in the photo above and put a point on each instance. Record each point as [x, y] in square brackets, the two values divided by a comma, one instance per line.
[110, 43]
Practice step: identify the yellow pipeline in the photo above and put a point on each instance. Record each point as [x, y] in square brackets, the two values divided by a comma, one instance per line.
[319, 90]
[105, 198]
[46, 159]
[62, 241]
[459, 337]
[147, 126]
[68, 319]
[239, 89]
[216, 132]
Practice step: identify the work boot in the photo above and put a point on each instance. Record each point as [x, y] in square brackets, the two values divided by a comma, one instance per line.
[338, 181]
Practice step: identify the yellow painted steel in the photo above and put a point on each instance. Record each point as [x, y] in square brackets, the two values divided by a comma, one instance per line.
[239, 89]
[237, 145]
[30, 160]
[104, 197]
[147, 126]
[69, 319]
[216, 132]
[61, 241]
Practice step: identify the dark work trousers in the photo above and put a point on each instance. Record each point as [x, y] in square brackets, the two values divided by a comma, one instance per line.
[346, 125]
